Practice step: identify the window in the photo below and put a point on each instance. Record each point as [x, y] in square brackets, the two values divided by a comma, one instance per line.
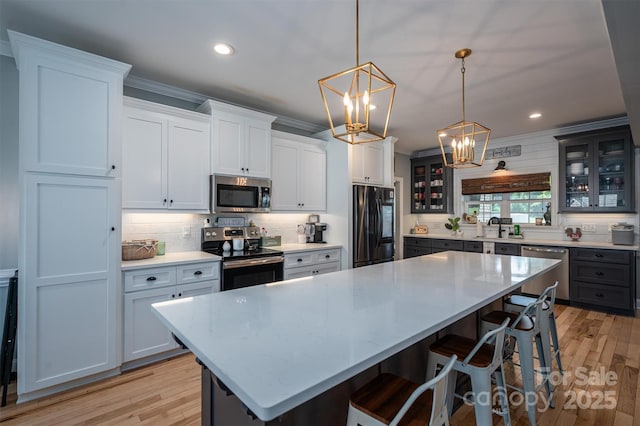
[521, 207]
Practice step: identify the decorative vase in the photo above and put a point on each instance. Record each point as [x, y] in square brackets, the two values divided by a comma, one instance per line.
[459, 233]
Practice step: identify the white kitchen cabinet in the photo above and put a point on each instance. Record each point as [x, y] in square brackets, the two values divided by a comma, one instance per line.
[240, 140]
[70, 109]
[166, 161]
[143, 333]
[70, 136]
[68, 293]
[299, 173]
[311, 262]
[367, 163]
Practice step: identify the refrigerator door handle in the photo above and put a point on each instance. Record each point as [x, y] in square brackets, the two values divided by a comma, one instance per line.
[379, 228]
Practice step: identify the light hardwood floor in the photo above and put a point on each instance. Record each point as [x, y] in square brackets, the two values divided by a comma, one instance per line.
[168, 392]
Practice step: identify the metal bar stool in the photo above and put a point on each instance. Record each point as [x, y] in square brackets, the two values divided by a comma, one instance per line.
[480, 360]
[517, 302]
[525, 330]
[392, 400]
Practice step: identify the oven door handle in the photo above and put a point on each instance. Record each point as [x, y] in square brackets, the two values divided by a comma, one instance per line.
[232, 264]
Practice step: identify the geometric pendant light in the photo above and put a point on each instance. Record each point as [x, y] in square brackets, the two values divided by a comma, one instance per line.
[467, 140]
[358, 101]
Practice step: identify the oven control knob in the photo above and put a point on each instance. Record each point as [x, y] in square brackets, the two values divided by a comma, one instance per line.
[207, 234]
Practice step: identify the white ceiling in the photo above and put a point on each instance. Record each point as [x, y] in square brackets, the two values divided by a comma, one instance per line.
[551, 56]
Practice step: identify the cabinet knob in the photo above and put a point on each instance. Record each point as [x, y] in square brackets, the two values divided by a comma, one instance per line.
[173, 296]
[247, 170]
[179, 294]
[599, 295]
[113, 228]
[299, 260]
[599, 255]
[327, 256]
[113, 167]
[599, 273]
[164, 201]
[243, 169]
[170, 201]
[151, 278]
[197, 273]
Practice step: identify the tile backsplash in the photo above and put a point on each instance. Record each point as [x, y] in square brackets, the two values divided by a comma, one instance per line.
[181, 231]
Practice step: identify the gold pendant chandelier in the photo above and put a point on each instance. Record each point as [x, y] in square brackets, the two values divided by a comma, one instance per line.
[467, 140]
[361, 110]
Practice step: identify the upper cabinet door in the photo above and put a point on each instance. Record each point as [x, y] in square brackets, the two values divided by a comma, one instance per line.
[227, 147]
[144, 169]
[258, 149]
[313, 178]
[284, 177]
[367, 163]
[70, 109]
[188, 165]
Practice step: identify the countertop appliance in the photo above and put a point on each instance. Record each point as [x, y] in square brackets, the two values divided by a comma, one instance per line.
[252, 265]
[373, 221]
[240, 194]
[559, 273]
[315, 232]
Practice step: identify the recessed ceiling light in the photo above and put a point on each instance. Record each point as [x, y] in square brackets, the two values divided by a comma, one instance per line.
[535, 115]
[223, 49]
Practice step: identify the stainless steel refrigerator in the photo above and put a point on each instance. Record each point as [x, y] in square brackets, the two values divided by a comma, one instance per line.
[373, 209]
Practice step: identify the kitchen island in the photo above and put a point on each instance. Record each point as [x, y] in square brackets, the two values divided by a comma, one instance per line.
[277, 346]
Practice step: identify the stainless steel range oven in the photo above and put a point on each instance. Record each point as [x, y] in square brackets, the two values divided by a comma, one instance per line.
[249, 266]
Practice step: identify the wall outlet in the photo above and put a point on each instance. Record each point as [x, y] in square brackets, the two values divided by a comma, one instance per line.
[588, 227]
[186, 231]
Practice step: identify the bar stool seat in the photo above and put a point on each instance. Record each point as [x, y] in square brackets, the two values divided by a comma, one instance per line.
[392, 400]
[496, 317]
[452, 344]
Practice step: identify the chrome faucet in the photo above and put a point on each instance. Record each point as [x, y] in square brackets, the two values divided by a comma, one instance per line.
[497, 220]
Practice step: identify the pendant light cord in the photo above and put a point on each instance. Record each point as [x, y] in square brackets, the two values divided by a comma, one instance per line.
[357, 34]
[462, 70]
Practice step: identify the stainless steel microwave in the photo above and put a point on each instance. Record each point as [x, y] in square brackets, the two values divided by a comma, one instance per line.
[240, 194]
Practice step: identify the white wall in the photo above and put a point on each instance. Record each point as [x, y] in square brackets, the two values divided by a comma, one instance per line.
[9, 188]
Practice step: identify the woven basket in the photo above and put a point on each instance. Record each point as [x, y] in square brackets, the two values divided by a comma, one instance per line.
[139, 249]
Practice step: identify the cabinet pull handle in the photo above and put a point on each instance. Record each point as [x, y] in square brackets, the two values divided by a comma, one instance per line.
[599, 295]
[327, 256]
[299, 260]
[197, 273]
[599, 255]
[599, 273]
[151, 279]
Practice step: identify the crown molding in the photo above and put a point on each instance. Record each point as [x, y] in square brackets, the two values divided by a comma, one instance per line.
[5, 49]
[198, 98]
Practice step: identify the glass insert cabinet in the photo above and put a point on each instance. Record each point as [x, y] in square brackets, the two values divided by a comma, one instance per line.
[597, 171]
[431, 184]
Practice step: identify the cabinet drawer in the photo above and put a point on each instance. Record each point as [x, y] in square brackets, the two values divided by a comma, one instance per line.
[298, 259]
[417, 242]
[144, 279]
[601, 295]
[601, 273]
[325, 256]
[607, 256]
[415, 252]
[197, 272]
[444, 245]
[473, 246]
[505, 248]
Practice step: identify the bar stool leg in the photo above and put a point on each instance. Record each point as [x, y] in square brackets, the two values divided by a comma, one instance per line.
[482, 401]
[504, 396]
[554, 337]
[525, 349]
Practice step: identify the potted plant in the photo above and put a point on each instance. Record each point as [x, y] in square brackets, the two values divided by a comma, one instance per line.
[454, 226]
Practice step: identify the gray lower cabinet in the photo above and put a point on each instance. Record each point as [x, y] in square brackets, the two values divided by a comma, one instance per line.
[473, 246]
[602, 280]
[446, 245]
[507, 248]
[416, 246]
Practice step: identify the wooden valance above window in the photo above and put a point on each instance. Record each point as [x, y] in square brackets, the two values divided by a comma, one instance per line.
[507, 183]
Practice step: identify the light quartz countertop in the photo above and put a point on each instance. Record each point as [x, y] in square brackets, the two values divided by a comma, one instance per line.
[278, 345]
[170, 259]
[297, 248]
[528, 241]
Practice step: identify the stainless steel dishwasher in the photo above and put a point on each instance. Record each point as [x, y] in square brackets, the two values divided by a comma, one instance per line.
[559, 273]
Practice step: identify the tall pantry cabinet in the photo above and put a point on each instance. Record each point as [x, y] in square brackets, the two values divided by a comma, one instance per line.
[69, 247]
